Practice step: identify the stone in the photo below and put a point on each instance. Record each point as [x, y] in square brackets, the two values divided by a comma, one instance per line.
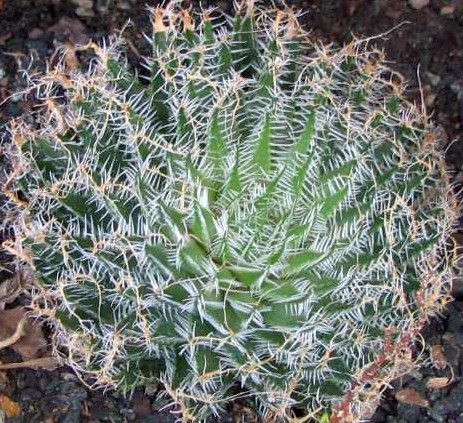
[35, 33]
[418, 4]
[433, 78]
[447, 10]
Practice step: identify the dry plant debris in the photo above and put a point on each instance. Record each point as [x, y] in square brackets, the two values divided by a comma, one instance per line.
[411, 397]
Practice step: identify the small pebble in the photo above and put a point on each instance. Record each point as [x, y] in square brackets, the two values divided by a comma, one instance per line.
[69, 377]
[16, 97]
[128, 413]
[447, 10]
[84, 8]
[124, 5]
[457, 88]
[102, 5]
[433, 78]
[83, 12]
[35, 33]
[418, 4]
[430, 99]
[85, 4]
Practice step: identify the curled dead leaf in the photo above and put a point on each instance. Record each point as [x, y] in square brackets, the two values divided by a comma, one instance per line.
[411, 397]
[437, 382]
[23, 334]
[10, 289]
[9, 407]
[438, 358]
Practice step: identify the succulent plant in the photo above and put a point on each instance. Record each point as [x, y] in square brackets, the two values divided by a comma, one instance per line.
[256, 215]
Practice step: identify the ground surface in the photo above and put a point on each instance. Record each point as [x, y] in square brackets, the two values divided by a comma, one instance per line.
[430, 39]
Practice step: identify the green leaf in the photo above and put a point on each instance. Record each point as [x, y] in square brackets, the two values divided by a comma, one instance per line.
[238, 299]
[216, 149]
[393, 104]
[263, 203]
[67, 320]
[300, 178]
[280, 291]
[172, 223]
[50, 158]
[208, 31]
[203, 225]
[224, 316]
[158, 256]
[271, 337]
[364, 260]
[193, 258]
[303, 261]
[262, 156]
[243, 47]
[234, 181]
[292, 70]
[331, 387]
[232, 189]
[248, 276]
[225, 59]
[343, 171]
[417, 248]
[328, 205]
[176, 292]
[181, 368]
[206, 361]
[279, 316]
[321, 284]
[301, 146]
[122, 77]
[324, 418]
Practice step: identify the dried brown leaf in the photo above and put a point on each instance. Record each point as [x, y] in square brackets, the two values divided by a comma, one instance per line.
[3, 379]
[70, 58]
[44, 363]
[438, 358]
[437, 382]
[9, 407]
[30, 340]
[10, 289]
[411, 397]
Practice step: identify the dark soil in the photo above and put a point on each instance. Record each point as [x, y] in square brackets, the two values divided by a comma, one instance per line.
[427, 46]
